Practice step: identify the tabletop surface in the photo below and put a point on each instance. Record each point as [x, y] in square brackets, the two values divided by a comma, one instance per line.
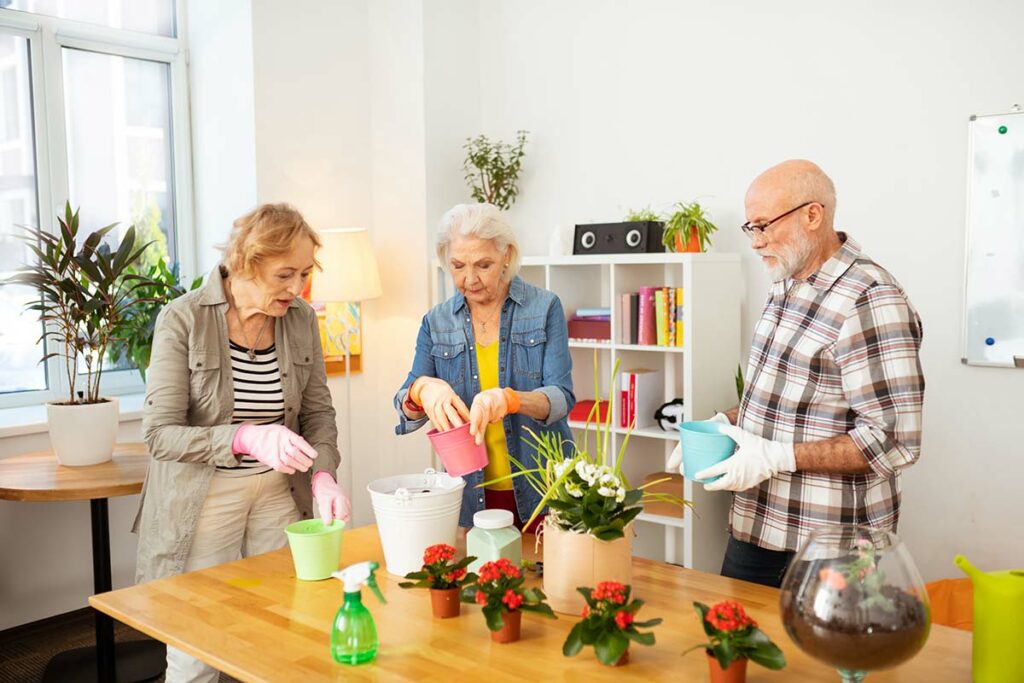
[39, 477]
[255, 621]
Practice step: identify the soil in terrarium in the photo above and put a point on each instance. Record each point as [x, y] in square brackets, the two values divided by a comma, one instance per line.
[855, 635]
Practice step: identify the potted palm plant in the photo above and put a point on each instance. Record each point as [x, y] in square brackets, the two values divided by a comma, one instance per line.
[688, 229]
[85, 294]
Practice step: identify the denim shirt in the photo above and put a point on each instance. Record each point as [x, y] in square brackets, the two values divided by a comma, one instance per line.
[537, 359]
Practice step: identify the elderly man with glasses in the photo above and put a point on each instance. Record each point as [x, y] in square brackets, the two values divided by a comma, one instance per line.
[831, 410]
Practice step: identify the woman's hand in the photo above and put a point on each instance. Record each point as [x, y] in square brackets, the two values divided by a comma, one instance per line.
[275, 446]
[442, 405]
[490, 406]
[330, 498]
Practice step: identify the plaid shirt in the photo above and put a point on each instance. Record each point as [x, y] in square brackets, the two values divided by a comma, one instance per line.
[834, 354]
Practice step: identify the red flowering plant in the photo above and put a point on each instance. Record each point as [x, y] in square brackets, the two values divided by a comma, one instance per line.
[734, 635]
[439, 572]
[609, 623]
[499, 589]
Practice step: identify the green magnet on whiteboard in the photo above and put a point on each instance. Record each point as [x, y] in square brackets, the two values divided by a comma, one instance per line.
[1002, 130]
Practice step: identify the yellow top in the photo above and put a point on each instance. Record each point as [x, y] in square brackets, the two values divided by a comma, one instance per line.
[498, 464]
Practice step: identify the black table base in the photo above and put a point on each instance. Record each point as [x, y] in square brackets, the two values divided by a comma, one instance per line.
[136, 660]
[130, 662]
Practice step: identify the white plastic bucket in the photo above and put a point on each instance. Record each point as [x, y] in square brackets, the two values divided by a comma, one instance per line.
[415, 511]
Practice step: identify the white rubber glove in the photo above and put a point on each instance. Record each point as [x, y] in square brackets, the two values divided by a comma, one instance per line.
[756, 460]
[675, 461]
[330, 498]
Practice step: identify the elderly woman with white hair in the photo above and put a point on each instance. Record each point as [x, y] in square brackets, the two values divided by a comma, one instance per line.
[495, 355]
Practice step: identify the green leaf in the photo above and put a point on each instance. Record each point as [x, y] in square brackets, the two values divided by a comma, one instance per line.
[642, 638]
[610, 645]
[493, 616]
[574, 641]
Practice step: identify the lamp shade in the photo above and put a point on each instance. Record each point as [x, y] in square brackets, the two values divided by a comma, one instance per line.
[350, 266]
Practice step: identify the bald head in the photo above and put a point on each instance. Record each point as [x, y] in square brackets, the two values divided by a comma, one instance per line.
[792, 183]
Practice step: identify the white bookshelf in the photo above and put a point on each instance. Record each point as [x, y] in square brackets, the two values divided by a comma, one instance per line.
[701, 372]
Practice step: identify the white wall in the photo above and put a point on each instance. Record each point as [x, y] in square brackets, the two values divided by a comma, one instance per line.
[339, 134]
[221, 94]
[659, 101]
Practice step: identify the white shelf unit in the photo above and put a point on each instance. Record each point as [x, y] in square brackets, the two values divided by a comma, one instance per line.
[701, 372]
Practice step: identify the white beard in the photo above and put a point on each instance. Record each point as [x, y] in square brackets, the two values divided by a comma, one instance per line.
[788, 260]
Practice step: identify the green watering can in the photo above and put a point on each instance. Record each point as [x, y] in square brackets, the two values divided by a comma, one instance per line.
[998, 650]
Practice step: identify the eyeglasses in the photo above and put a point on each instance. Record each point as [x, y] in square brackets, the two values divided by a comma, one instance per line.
[756, 229]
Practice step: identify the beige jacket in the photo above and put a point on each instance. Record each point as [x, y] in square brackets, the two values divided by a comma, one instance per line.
[186, 420]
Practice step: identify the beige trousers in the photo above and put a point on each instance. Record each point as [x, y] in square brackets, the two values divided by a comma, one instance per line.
[241, 516]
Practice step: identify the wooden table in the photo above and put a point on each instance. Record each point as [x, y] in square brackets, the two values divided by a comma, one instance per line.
[36, 477]
[254, 620]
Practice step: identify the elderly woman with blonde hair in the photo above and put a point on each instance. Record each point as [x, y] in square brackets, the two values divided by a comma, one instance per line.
[495, 355]
[238, 417]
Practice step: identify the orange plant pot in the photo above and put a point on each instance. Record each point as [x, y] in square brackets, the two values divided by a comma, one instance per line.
[691, 247]
[735, 673]
[445, 602]
[509, 632]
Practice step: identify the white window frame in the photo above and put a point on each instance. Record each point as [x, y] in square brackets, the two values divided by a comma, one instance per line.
[48, 36]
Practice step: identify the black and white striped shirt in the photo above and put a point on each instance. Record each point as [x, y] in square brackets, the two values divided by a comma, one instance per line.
[259, 398]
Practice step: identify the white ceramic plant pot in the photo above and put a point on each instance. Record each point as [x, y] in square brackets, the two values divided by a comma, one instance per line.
[83, 434]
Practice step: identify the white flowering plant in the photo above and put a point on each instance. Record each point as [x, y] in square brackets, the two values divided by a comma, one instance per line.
[580, 489]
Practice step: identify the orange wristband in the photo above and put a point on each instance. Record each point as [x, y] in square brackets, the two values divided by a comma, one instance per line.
[512, 400]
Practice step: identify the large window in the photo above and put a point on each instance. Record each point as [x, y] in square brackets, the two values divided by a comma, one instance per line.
[93, 110]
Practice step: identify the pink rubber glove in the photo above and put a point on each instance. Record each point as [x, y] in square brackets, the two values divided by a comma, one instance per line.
[488, 407]
[276, 446]
[330, 499]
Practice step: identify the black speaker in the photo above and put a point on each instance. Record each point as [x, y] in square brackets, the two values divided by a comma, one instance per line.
[642, 237]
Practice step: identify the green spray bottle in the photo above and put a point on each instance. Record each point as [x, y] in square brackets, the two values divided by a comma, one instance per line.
[354, 637]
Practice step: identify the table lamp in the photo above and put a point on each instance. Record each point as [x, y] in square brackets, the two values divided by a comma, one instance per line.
[349, 275]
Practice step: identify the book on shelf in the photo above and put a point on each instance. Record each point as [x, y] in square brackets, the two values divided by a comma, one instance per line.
[641, 391]
[589, 330]
[593, 312]
[634, 318]
[582, 410]
[624, 318]
[647, 332]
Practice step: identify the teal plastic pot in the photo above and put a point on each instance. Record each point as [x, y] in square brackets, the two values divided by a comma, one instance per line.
[316, 548]
[703, 445]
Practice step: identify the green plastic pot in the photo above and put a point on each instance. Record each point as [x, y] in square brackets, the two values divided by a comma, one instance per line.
[316, 548]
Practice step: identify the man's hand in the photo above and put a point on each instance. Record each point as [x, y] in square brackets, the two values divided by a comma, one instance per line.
[756, 460]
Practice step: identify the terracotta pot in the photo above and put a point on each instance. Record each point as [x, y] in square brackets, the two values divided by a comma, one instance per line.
[691, 247]
[445, 602]
[573, 559]
[736, 673]
[509, 632]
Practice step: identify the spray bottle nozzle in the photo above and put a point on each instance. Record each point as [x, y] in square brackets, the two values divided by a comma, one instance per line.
[354, 576]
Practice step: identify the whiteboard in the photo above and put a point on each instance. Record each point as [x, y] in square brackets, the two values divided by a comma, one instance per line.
[994, 276]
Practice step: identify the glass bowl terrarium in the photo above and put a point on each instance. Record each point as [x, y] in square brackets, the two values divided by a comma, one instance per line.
[853, 599]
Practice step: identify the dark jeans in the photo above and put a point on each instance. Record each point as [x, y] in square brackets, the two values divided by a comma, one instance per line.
[748, 562]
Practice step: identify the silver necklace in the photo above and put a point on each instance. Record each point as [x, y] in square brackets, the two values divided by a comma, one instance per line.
[251, 352]
[483, 324]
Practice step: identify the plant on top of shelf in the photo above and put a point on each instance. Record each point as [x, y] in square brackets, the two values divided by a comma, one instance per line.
[492, 168]
[646, 214]
[688, 229]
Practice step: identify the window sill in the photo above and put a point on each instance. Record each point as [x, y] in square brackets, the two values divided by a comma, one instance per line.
[32, 419]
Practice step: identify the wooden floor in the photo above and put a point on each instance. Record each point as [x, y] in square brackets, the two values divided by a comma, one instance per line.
[25, 650]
